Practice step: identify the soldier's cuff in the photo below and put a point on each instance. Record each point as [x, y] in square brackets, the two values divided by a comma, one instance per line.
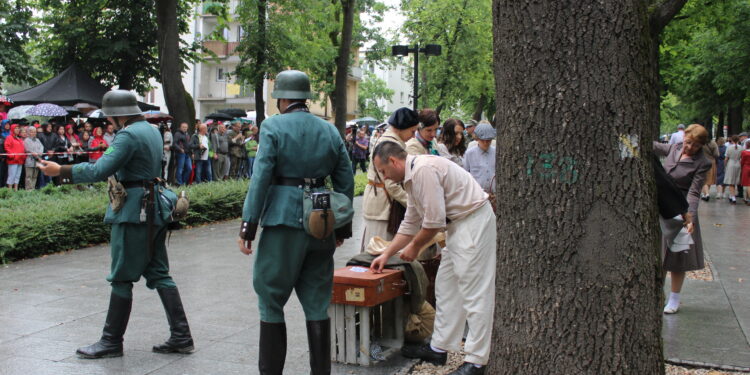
[66, 174]
[344, 232]
[247, 230]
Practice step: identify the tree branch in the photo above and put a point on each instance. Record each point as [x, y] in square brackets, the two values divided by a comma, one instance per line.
[662, 12]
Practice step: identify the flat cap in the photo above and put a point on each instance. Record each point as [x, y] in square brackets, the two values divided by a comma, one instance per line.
[485, 131]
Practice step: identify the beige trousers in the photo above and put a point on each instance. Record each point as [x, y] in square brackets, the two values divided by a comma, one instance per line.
[31, 175]
[465, 286]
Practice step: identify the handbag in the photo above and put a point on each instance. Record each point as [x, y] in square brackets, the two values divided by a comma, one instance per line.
[324, 210]
[395, 216]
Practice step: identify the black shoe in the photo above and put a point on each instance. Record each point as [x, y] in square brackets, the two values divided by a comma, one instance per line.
[110, 345]
[180, 340]
[272, 351]
[468, 369]
[319, 342]
[425, 353]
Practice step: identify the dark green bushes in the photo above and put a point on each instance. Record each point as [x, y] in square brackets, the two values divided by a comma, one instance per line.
[34, 223]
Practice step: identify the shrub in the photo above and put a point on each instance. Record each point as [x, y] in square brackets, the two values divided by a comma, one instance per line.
[58, 218]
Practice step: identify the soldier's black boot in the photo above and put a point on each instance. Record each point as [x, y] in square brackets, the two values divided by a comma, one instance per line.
[110, 345]
[180, 340]
[272, 348]
[319, 342]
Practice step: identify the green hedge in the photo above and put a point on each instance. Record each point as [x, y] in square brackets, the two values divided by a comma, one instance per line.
[34, 223]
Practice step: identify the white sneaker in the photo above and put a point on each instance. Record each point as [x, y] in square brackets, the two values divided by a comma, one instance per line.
[671, 309]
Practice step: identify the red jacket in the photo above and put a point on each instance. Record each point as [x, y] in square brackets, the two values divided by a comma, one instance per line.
[14, 145]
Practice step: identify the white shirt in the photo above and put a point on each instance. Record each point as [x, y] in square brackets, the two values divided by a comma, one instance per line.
[204, 142]
[677, 137]
[481, 165]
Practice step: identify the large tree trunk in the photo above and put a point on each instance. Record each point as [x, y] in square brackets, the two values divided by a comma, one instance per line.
[262, 50]
[169, 62]
[734, 118]
[342, 65]
[720, 126]
[578, 266]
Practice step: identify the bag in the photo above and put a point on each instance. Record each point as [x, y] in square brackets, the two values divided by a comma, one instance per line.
[172, 208]
[325, 210]
[420, 326]
[117, 193]
[395, 217]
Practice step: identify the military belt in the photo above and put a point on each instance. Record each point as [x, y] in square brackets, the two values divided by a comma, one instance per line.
[292, 181]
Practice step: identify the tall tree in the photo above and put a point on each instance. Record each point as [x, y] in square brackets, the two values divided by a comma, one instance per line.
[578, 269]
[170, 66]
[460, 80]
[342, 65]
[113, 40]
[17, 29]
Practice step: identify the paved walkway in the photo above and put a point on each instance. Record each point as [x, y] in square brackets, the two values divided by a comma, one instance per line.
[713, 324]
[51, 305]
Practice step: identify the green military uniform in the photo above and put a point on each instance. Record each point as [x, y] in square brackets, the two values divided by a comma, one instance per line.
[293, 146]
[134, 157]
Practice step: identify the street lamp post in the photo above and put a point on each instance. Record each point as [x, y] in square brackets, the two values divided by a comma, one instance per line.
[428, 50]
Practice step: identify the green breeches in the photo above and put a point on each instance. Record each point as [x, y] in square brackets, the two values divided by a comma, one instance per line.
[285, 259]
[131, 260]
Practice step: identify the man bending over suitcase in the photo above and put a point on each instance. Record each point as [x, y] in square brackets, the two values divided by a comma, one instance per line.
[442, 195]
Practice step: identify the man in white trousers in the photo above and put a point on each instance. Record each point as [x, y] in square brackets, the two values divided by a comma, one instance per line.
[442, 195]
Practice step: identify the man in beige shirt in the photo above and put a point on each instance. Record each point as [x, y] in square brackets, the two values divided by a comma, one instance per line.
[442, 195]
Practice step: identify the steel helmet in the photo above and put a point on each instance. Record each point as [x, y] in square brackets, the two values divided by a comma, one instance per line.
[120, 103]
[292, 84]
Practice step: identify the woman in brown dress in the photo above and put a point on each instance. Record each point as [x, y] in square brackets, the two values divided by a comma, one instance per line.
[687, 165]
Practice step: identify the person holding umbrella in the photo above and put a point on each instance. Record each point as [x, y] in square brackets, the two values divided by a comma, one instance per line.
[138, 243]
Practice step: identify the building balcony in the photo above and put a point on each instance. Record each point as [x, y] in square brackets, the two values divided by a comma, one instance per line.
[221, 49]
[225, 92]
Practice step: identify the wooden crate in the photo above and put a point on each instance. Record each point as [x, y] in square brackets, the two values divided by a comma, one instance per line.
[365, 305]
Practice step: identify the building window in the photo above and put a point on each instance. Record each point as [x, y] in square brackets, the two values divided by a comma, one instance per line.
[220, 77]
[240, 33]
[225, 33]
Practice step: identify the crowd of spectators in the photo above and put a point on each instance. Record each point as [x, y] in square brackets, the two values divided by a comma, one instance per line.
[214, 151]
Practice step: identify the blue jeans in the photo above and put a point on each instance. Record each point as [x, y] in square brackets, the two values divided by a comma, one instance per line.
[184, 167]
[250, 162]
[202, 171]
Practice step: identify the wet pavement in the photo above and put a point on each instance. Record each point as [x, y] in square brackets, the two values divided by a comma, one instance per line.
[712, 327]
[51, 305]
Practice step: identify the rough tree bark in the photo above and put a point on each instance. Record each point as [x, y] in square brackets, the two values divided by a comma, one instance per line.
[342, 65]
[169, 62]
[261, 51]
[578, 267]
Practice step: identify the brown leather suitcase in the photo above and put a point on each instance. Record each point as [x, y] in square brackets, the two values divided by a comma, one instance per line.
[358, 286]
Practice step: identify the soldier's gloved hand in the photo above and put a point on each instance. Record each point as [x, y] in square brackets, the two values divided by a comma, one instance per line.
[246, 246]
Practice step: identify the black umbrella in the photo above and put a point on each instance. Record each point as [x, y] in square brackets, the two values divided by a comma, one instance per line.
[219, 117]
[234, 112]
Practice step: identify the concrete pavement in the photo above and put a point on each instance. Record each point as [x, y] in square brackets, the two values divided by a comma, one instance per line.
[51, 305]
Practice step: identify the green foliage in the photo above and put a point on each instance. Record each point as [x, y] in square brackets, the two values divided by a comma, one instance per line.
[704, 57]
[371, 89]
[113, 40]
[302, 35]
[17, 29]
[463, 73]
[38, 222]
[360, 182]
